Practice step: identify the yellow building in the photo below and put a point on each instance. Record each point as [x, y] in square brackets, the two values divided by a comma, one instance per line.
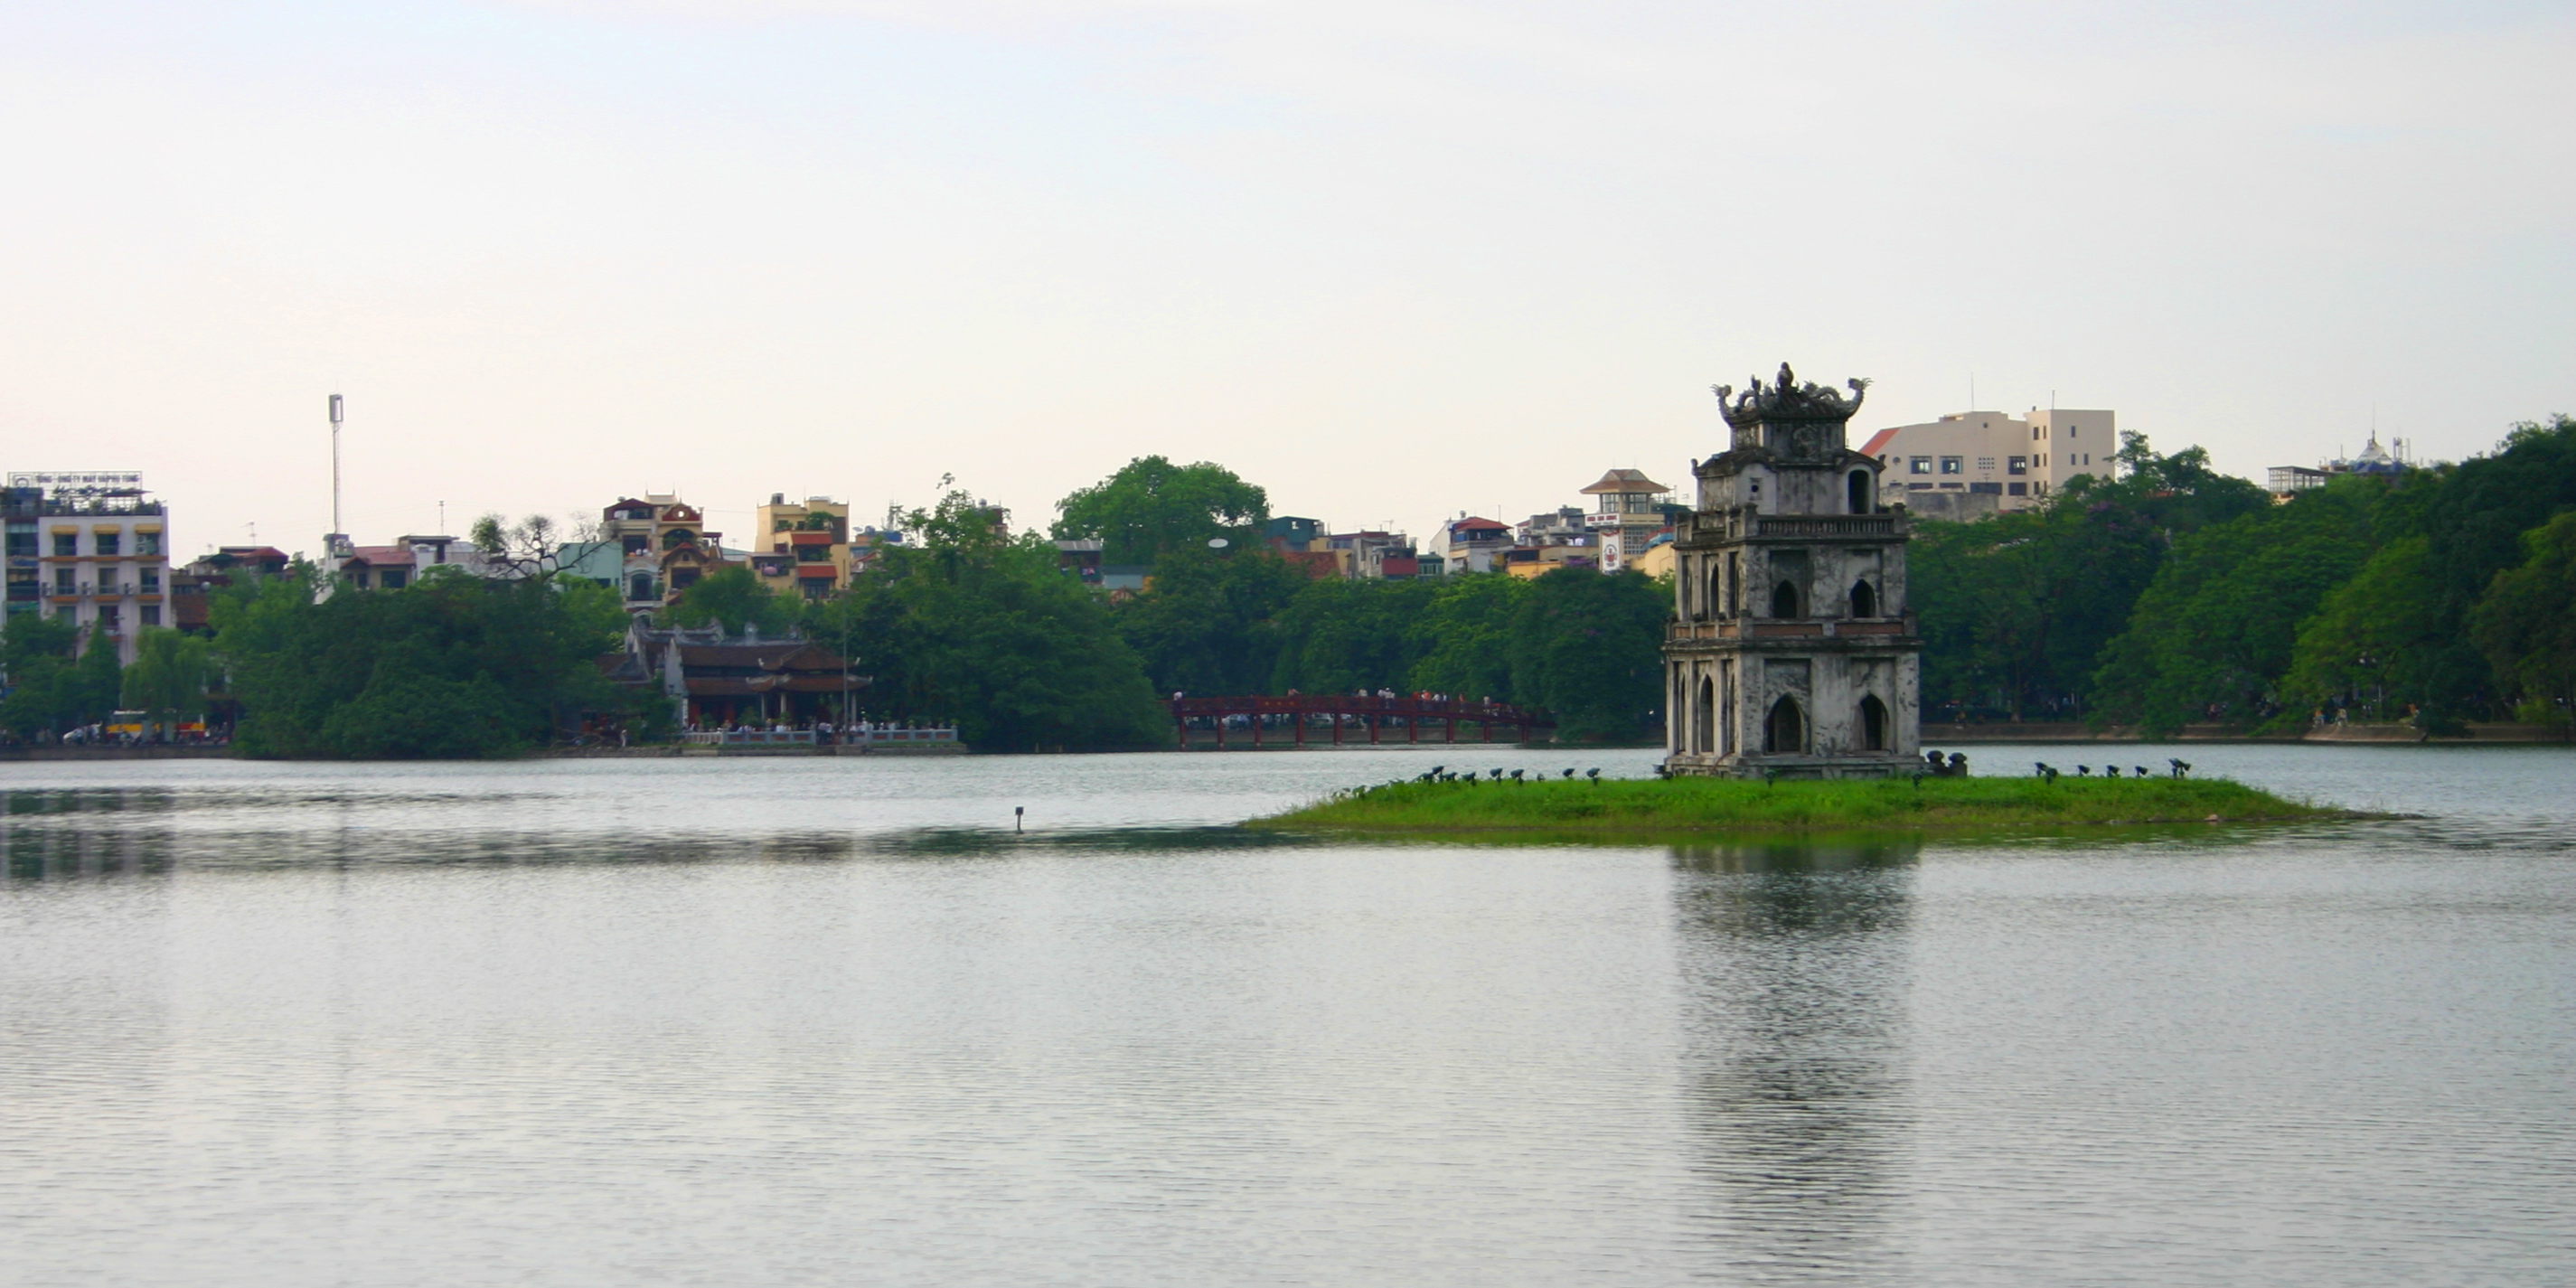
[803, 547]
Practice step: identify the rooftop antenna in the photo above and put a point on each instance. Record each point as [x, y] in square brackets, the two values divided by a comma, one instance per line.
[1972, 391]
[335, 465]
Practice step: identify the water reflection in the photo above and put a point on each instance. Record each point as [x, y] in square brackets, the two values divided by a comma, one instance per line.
[1792, 965]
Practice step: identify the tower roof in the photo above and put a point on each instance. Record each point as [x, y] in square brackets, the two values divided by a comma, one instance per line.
[1624, 481]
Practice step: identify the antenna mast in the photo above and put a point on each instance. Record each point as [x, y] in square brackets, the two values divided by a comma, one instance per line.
[335, 465]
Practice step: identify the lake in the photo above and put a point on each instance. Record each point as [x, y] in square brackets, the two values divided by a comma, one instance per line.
[737, 1021]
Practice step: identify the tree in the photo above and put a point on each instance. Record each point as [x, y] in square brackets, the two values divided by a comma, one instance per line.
[1461, 642]
[1588, 648]
[2017, 609]
[455, 665]
[171, 673]
[2526, 623]
[2372, 640]
[1208, 622]
[732, 597]
[534, 546]
[43, 695]
[2215, 632]
[964, 624]
[1152, 507]
[1339, 636]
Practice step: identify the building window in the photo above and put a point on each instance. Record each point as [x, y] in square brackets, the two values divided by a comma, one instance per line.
[151, 581]
[63, 584]
[2017, 489]
[22, 543]
[151, 614]
[395, 579]
[107, 618]
[66, 544]
[1918, 465]
[1953, 464]
[108, 544]
[2016, 465]
[147, 543]
[1986, 464]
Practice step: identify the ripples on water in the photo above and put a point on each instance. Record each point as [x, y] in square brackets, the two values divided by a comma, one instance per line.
[832, 1021]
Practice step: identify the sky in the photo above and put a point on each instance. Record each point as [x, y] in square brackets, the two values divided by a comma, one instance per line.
[1391, 260]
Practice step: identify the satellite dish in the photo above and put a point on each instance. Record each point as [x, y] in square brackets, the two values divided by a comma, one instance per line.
[1217, 543]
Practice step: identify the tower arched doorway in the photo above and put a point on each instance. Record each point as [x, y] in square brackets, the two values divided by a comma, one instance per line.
[1703, 736]
[1856, 491]
[1784, 731]
[1873, 723]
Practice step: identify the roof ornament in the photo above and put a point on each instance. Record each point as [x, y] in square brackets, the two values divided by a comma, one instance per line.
[1786, 399]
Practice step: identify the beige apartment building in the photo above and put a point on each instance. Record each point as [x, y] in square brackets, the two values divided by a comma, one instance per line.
[1976, 462]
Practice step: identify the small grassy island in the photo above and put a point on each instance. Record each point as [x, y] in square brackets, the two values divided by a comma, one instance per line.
[1681, 805]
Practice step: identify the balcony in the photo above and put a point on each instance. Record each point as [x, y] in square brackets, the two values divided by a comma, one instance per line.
[1735, 628]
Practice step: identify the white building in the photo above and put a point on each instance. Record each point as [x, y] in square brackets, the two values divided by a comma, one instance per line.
[92, 548]
[2016, 460]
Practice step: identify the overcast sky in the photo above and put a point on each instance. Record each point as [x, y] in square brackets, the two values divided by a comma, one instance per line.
[1392, 260]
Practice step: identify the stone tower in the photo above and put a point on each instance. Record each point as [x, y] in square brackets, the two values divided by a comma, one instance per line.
[1794, 653]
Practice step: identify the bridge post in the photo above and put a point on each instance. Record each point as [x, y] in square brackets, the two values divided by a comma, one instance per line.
[1256, 726]
[1181, 724]
[1299, 717]
[1337, 724]
[1413, 725]
[1371, 717]
[1449, 724]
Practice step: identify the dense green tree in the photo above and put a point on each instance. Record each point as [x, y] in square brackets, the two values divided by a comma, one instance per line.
[45, 691]
[2372, 641]
[2017, 609]
[1588, 648]
[2473, 518]
[2526, 623]
[452, 666]
[732, 597]
[1208, 622]
[171, 673]
[1342, 636]
[1152, 507]
[2213, 636]
[964, 624]
[1462, 641]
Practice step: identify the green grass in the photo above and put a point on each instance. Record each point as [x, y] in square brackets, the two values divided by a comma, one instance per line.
[1684, 805]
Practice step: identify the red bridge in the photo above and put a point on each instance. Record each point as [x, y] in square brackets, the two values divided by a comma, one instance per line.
[1300, 713]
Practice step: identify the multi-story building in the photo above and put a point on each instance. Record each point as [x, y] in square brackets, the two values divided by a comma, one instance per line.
[2015, 460]
[803, 547]
[650, 548]
[395, 566]
[191, 586]
[1629, 511]
[1471, 543]
[90, 547]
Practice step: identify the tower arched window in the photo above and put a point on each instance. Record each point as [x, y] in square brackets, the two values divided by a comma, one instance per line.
[1784, 731]
[1873, 723]
[1864, 599]
[1784, 600]
[1857, 490]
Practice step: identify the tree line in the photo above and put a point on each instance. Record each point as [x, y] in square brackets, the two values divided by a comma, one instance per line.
[2170, 594]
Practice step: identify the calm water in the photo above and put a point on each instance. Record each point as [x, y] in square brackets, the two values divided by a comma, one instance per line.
[801, 1021]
